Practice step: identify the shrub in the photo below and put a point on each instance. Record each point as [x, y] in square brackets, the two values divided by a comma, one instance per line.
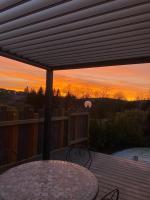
[118, 131]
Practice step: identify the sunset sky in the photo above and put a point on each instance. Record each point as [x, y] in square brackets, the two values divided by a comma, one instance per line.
[130, 81]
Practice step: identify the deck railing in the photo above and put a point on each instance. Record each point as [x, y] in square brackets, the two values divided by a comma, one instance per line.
[24, 137]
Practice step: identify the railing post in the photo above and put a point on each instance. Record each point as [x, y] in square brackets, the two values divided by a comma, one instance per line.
[48, 115]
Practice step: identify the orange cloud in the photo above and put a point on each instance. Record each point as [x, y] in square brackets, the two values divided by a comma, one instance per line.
[81, 88]
[131, 80]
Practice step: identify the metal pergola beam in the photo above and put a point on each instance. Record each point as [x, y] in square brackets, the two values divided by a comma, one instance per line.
[66, 34]
[48, 101]
[125, 61]
[47, 134]
[22, 59]
[136, 60]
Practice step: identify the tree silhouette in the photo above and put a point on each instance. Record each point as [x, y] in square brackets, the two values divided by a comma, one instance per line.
[36, 99]
[26, 90]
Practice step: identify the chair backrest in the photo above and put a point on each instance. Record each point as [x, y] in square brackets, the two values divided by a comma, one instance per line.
[80, 155]
[112, 195]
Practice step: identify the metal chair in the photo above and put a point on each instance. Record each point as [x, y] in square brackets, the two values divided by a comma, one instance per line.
[112, 195]
[79, 154]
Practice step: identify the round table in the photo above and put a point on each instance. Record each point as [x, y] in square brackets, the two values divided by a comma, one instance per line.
[48, 180]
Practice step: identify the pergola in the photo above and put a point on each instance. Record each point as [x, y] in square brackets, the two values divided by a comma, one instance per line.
[73, 34]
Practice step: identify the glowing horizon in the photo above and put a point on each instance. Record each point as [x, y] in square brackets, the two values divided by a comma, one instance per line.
[130, 81]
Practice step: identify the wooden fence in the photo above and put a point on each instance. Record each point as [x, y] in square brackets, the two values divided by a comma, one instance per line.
[22, 139]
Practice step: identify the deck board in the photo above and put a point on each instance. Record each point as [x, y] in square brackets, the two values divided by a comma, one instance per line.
[131, 177]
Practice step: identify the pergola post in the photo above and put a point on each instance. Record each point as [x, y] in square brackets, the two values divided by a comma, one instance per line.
[48, 115]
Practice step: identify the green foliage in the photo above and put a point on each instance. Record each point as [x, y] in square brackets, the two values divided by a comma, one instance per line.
[120, 130]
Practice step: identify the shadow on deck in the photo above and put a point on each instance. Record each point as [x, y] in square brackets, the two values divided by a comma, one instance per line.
[131, 177]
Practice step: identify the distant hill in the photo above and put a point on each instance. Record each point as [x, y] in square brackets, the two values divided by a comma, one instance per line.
[10, 97]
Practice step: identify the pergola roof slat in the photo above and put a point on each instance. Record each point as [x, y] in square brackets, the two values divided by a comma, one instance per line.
[114, 48]
[62, 34]
[96, 53]
[81, 35]
[94, 37]
[67, 48]
[54, 25]
[8, 4]
[26, 9]
[100, 57]
[105, 63]
[66, 8]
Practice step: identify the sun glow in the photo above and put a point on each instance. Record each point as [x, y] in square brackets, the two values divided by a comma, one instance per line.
[126, 82]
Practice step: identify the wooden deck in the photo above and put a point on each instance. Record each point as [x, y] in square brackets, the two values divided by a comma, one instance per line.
[131, 177]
